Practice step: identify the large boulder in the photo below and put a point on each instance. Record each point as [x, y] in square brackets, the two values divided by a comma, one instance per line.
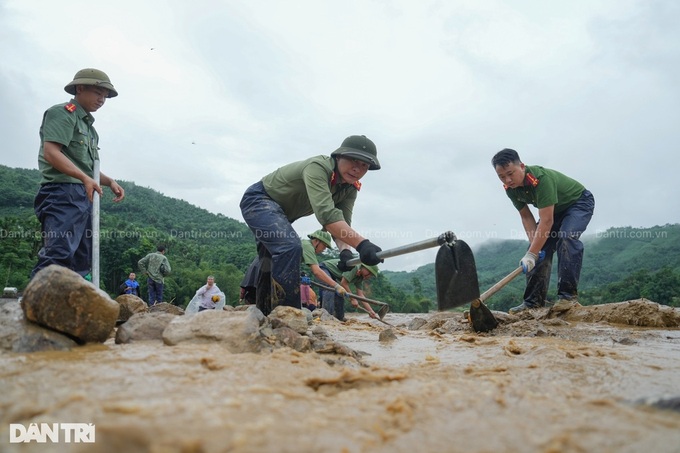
[62, 300]
[129, 305]
[238, 331]
[17, 334]
[143, 326]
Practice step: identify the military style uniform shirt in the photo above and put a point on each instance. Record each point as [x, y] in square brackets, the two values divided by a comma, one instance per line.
[544, 187]
[72, 127]
[308, 254]
[312, 186]
[351, 275]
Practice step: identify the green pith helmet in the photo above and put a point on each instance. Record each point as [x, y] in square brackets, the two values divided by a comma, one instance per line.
[93, 77]
[323, 236]
[373, 269]
[359, 147]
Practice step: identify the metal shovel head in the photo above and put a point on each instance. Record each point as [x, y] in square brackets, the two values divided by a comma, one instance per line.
[383, 311]
[481, 318]
[455, 276]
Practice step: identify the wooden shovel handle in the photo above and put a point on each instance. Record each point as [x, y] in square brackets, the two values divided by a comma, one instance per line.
[497, 287]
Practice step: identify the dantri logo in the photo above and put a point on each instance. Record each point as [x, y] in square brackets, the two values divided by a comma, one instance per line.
[52, 432]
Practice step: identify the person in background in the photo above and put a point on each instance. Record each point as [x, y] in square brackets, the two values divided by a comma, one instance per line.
[326, 186]
[249, 283]
[131, 285]
[69, 147]
[332, 301]
[209, 294]
[565, 208]
[307, 294]
[156, 267]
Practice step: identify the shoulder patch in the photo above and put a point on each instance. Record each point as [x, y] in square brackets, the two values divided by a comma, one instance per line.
[530, 180]
[71, 107]
[357, 185]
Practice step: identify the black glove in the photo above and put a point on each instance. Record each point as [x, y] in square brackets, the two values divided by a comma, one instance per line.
[345, 256]
[368, 253]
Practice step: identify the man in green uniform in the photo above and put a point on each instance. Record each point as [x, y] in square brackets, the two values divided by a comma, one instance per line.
[69, 146]
[316, 244]
[565, 208]
[325, 186]
[334, 301]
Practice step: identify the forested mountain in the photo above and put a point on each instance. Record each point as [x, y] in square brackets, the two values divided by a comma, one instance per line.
[619, 264]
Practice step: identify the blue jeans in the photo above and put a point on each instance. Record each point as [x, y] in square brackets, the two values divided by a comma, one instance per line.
[65, 214]
[155, 291]
[334, 304]
[279, 250]
[567, 228]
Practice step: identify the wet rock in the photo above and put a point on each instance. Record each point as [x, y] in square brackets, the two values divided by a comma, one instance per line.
[17, 334]
[416, 324]
[664, 402]
[503, 317]
[129, 305]
[324, 316]
[285, 335]
[639, 312]
[143, 326]
[165, 307]
[238, 331]
[387, 335]
[62, 300]
[291, 317]
[319, 332]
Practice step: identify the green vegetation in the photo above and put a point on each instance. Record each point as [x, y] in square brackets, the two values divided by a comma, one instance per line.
[619, 264]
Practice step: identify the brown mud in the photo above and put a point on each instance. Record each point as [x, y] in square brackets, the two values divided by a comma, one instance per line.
[535, 385]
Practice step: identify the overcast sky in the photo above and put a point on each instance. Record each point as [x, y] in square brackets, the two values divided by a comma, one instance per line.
[216, 94]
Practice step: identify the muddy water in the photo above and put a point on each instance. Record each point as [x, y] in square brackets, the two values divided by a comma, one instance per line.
[567, 389]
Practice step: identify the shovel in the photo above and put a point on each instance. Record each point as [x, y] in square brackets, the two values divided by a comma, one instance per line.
[481, 318]
[455, 275]
[444, 238]
[95, 229]
[384, 308]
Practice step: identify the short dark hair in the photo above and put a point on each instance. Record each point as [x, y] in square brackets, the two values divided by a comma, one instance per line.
[504, 157]
[160, 248]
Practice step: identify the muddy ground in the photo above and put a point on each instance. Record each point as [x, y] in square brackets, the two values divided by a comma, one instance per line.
[567, 384]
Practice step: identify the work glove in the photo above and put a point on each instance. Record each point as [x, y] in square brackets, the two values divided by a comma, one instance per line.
[340, 290]
[345, 256]
[529, 261]
[368, 252]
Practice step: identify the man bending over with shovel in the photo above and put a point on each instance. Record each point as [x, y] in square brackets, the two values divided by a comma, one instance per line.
[565, 208]
[326, 186]
[334, 302]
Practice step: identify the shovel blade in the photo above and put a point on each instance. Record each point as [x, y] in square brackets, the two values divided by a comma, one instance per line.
[455, 275]
[481, 318]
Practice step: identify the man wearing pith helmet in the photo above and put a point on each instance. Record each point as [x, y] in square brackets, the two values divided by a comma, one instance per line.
[69, 147]
[326, 186]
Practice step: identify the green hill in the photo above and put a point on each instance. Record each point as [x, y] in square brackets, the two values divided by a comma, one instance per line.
[619, 264]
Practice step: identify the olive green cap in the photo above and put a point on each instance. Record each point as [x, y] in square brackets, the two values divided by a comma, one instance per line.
[323, 236]
[91, 76]
[359, 147]
[373, 269]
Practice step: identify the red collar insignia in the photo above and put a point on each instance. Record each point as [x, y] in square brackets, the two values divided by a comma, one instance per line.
[530, 180]
[71, 107]
[334, 181]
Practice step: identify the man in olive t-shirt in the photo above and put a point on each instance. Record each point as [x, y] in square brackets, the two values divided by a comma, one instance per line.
[565, 208]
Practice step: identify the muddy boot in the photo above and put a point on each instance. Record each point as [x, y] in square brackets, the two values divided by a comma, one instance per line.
[520, 308]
